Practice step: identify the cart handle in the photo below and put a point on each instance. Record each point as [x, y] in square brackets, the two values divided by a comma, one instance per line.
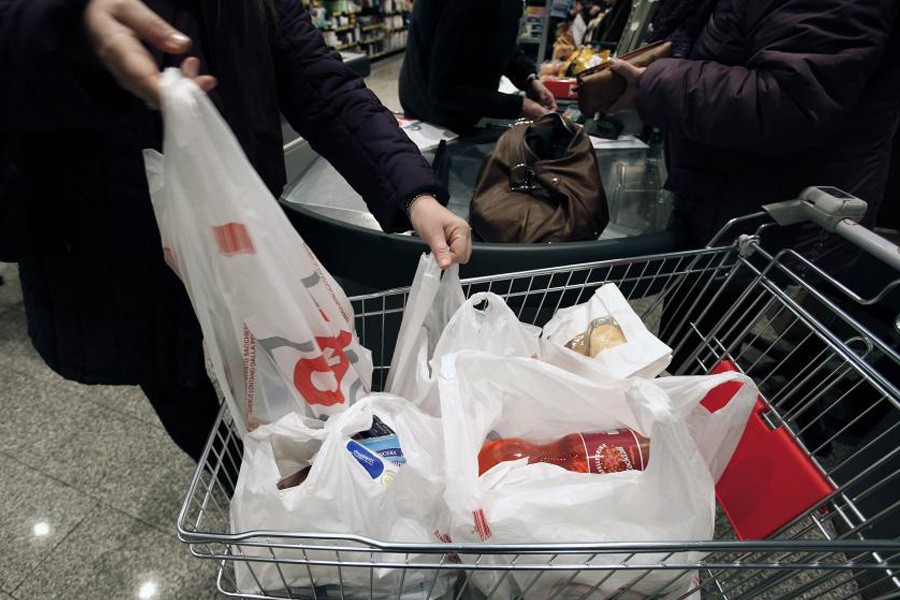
[838, 212]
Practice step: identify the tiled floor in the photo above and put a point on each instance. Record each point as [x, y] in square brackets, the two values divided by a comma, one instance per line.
[90, 485]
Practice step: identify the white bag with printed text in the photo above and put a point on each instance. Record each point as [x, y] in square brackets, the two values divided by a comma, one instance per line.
[673, 499]
[278, 328]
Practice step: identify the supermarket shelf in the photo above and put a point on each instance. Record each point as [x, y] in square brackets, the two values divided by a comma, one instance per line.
[535, 28]
[372, 30]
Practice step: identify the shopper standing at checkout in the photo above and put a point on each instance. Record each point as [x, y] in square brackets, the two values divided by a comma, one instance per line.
[456, 54]
[80, 83]
[766, 97]
[762, 99]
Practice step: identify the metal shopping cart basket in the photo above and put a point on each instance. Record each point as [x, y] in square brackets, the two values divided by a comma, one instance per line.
[809, 507]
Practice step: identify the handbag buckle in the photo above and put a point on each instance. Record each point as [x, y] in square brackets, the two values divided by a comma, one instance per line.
[523, 179]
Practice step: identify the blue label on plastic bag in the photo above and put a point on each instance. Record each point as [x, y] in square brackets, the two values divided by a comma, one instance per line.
[373, 465]
[388, 446]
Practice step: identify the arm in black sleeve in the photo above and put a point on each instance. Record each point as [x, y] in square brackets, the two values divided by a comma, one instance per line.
[460, 50]
[42, 51]
[330, 106]
[519, 69]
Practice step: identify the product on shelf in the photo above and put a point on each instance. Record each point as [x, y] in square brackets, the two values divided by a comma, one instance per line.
[375, 29]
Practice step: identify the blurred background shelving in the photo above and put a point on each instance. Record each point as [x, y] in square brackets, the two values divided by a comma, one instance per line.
[374, 28]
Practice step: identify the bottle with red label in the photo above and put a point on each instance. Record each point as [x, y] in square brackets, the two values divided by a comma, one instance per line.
[596, 452]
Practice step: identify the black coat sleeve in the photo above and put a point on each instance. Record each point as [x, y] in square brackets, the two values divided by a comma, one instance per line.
[44, 57]
[330, 106]
[519, 68]
[809, 61]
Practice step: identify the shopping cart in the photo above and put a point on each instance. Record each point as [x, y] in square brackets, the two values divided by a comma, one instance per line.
[809, 506]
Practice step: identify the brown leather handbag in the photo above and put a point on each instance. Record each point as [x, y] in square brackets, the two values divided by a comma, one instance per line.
[541, 184]
[599, 87]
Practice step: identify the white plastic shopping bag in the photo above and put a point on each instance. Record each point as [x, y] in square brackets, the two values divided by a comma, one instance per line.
[608, 327]
[434, 298]
[350, 489]
[486, 323]
[438, 321]
[516, 503]
[278, 328]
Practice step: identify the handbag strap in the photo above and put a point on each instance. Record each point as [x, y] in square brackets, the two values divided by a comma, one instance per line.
[522, 177]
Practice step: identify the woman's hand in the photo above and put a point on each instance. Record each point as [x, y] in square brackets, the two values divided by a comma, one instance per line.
[630, 74]
[448, 236]
[116, 29]
[538, 92]
[532, 110]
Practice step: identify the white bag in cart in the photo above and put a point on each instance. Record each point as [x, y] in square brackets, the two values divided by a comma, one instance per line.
[348, 490]
[434, 298]
[486, 323]
[278, 328]
[640, 355]
[518, 503]
[439, 321]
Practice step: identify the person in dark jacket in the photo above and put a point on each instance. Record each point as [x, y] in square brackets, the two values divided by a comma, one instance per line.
[78, 78]
[456, 54]
[767, 97]
[762, 99]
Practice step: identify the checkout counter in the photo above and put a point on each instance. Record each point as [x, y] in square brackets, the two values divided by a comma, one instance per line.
[332, 218]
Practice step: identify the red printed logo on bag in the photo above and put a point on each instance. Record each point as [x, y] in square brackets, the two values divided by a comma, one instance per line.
[319, 379]
[481, 525]
[233, 238]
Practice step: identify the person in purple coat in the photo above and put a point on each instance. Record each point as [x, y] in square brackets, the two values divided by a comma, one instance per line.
[766, 97]
[80, 87]
[761, 99]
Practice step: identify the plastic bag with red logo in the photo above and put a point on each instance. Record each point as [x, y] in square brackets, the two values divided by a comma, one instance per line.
[517, 502]
[278, 328]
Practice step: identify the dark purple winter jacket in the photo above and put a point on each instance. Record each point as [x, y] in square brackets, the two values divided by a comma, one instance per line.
[777, 95]
[74, 206]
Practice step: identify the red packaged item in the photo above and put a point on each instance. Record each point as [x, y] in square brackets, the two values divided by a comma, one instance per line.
[596, 452]
[563, 88]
